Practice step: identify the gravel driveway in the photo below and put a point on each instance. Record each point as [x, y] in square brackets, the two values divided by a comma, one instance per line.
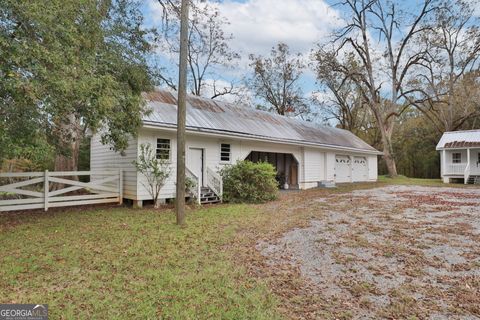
[392, 252]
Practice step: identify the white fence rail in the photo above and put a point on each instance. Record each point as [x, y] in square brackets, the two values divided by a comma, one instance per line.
[456, 168]
[58, 189]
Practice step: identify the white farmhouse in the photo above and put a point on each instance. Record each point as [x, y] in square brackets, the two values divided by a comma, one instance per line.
[218, 133]
[460, 156]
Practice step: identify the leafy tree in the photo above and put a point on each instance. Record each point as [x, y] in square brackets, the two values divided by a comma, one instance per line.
[156, 171]
[71, 66]
[276, 81]
[415, 140]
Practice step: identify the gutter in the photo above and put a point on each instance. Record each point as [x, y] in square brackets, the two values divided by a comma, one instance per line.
[212, 132]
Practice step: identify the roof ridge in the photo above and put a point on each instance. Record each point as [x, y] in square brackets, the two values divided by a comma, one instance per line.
[243, 105]
[471, 130]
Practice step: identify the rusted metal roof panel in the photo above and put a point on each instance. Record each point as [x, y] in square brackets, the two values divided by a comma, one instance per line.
[460, 139]
[462, 144]
[242, 120]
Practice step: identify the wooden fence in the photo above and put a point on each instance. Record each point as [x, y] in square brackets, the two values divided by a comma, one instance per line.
[43, 190]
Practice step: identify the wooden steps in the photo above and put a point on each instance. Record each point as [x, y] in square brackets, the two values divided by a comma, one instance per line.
[474, 179]
[207, 196]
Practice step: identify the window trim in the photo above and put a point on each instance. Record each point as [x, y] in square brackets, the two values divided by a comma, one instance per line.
[222, 152]
[157, 149]
[454, 158]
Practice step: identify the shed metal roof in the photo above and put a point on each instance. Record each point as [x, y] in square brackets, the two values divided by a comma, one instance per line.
[229, 119]
[459, 139]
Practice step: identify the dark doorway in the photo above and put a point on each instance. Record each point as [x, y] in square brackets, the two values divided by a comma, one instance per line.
[285, 164]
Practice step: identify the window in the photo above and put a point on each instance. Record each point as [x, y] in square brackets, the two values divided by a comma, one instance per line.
[225, 152]
[456, 157]
[163, 149]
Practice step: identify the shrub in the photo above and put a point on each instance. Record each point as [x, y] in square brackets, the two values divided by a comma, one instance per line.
[249, 182]
[156, 171]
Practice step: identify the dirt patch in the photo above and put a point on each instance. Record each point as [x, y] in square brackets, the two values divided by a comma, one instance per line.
[391, 252]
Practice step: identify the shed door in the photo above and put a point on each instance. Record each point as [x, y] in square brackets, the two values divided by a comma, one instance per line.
[342, 169]
[195, 162]
[360, 169]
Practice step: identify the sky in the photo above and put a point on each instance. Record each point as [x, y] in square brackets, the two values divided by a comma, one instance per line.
[257, 25]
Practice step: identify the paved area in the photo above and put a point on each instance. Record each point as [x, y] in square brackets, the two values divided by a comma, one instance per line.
[391, 252]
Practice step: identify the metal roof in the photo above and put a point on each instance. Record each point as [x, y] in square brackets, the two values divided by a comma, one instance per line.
[229, 119]
[460, 139]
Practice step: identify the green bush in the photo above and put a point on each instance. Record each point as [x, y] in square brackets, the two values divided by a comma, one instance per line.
[249, 182]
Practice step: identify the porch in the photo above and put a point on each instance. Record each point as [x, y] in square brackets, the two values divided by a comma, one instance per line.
[461, 164]
[285, 164]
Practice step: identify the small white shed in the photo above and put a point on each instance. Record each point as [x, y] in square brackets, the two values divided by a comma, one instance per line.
[219, 133]
[460, 156]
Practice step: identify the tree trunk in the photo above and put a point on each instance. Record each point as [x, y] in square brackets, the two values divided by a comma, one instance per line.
[388, 152]
[68, 162]
[181, 114]
[386, 130]
[71, 135]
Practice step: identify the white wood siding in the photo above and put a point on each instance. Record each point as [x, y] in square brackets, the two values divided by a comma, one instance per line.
[314, 160]
[372, 167]
[210, 145]
[102, 158]
[330, 166]
[314, 164]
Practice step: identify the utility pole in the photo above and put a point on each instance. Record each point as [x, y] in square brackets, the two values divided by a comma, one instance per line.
[182, 113]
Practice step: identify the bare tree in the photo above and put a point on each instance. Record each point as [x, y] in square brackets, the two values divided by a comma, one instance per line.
[446, 87]
[208, 48]
[341, 101]
[276, 81]
[381, 72]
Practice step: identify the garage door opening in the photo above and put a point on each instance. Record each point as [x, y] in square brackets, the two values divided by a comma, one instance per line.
[360, 169]
[285, 164]
[342, 169]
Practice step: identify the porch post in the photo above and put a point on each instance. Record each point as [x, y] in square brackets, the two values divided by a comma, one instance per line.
[467, 169]
[444, 162]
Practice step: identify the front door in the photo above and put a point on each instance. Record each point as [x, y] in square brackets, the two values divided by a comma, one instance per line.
[195, 162]
[293, 175]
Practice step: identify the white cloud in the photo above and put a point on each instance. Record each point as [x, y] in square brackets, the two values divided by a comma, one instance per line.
[257, 25]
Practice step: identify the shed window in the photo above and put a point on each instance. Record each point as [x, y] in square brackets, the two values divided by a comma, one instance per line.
[456, 157]
[225, 152]
[163, 149]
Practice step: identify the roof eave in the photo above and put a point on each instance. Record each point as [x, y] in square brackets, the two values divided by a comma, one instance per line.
[153, 125]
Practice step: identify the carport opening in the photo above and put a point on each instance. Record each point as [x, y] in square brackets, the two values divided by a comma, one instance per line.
[285, 164]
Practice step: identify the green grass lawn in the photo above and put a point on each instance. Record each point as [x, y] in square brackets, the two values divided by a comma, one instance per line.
[125, 263]
[402, 180]
[122, 263]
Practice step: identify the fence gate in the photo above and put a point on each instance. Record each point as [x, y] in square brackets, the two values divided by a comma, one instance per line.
[37, 190]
